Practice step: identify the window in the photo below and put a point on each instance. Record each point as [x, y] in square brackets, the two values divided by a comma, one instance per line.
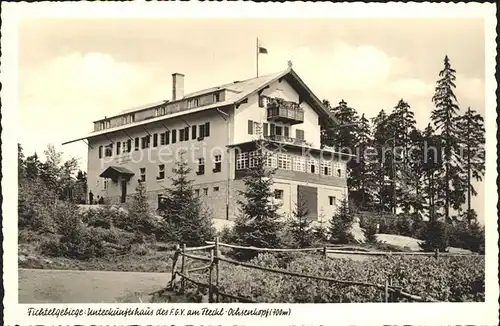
[202, 131]
[181, 134]
[261, 101]
[332, 200]
[286, 131]
[105, 184]
[207, 129]
[326, 167]
[299, 134]
[162, 138]
[216, 97]
[216, 188]
[193, 132]
[265, 129]
[174, 136]
[108, 124]
[124, 147]
[161, 172]
[118, 148]
[252, 159]
[129, 145]
[108, 150]
[142, 175]
[155, 140]
[205, 191]
[100, 151]
[186, 133]
[201, 166]
[339, 170]
[278, 194]
[218, 163]
[167, 137]
[273, 129]
[312, 166]
[145, 141]
[250, 127]
[284, 162]
[136, 144]
[299, 164]
[278, 130]
[160, 111]
[197, 192]
[271, 161]
[241, 161]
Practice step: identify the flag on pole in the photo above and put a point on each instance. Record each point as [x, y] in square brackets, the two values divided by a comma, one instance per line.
[261, 48]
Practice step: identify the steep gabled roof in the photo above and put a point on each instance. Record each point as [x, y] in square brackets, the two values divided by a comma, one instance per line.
[239, 92]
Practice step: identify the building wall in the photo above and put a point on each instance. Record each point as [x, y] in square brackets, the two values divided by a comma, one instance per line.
[252, 111]
[151, 157]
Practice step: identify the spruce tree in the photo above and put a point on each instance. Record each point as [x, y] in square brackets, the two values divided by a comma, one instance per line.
[341, 224]
[258, 223]
[471, 138]
[185, 220]
[382, 167]
[300, 226]
[361, 174]
[402, 123]
[343, 138]
[444, 120]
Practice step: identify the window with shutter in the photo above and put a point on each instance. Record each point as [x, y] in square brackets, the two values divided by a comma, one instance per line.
[265, 129]
[174, 136]
[207, 129]
[193, 132]
[155, 140]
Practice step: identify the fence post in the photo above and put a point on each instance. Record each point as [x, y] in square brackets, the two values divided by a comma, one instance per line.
[183, 267]
[210, 286]
[386, 291]
[391, 294]
[217, 254]
[436, 253]
[324, 251]
[174, 266]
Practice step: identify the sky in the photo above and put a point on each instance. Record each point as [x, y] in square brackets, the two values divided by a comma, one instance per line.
[75, 71]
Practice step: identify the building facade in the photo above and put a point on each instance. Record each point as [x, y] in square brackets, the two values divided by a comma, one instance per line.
[217, 128]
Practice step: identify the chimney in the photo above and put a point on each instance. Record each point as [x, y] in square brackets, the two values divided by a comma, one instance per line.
[177, 86]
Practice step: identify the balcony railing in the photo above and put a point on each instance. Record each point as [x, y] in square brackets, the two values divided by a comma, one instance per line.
[285, 111]
[287, 140]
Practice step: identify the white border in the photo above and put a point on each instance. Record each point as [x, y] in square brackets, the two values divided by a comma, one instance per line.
[310, 314]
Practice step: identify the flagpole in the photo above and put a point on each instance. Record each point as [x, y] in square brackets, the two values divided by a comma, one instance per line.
[257, 53]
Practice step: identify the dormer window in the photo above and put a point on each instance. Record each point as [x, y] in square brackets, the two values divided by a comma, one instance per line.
[194, 103]
[216, 97]
[107, 124]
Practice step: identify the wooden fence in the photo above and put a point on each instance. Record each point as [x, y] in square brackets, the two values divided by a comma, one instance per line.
[392, 293]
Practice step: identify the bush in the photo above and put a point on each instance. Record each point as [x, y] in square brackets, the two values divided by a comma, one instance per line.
[436, 236]
[467, 236]
[226, 235]
[81, 243]
[447, 279]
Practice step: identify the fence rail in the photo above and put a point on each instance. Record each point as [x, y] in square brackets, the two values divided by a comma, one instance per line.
[390, 291]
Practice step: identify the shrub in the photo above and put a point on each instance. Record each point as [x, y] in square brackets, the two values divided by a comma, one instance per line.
[226, 235]
[447, 279]
[81, 243]
[436, 236]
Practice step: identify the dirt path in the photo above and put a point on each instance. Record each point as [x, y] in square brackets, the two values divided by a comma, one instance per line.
[64, 286]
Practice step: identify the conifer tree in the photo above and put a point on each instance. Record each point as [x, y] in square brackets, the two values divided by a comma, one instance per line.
[361, 176]
[300, 226]
[258, 223]
[382, 167]
[444, 120]
[185, 220]
[471, 138]
[341, 224]
[402, 123]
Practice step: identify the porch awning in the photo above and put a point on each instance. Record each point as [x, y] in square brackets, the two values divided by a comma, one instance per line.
[113, 172]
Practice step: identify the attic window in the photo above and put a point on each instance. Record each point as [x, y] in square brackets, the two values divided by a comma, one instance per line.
[216, 97]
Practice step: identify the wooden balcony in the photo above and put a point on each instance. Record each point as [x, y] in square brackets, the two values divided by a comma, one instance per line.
[283, 111]
[287, 140]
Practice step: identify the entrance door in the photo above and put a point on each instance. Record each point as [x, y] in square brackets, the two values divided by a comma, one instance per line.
[124, 191]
